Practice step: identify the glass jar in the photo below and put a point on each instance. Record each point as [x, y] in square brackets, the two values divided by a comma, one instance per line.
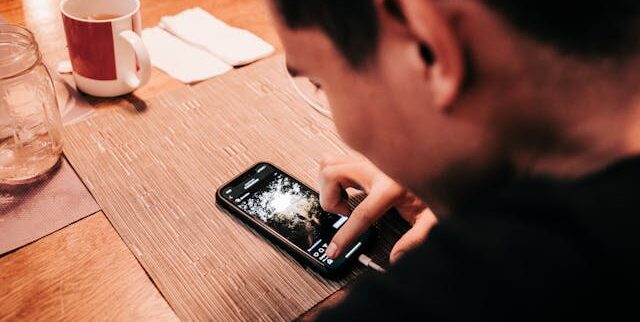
[30, 122]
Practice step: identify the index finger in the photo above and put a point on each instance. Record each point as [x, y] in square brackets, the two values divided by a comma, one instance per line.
[334, 180]
[374, 206]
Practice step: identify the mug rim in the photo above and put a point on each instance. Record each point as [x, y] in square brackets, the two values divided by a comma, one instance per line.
[126, 16]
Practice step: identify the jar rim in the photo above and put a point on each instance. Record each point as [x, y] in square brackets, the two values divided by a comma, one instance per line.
[31, 47]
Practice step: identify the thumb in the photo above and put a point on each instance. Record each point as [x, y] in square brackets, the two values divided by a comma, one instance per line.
[414, 236]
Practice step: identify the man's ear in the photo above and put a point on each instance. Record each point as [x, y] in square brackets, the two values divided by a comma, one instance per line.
[435, 39]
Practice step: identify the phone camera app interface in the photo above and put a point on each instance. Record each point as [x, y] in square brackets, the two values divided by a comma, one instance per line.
[289, 208]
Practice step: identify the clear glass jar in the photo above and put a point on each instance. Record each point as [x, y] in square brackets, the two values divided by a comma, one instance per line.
[30, 122]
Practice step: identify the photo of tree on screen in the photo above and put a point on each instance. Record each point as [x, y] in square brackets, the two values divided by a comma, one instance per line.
[291, 210]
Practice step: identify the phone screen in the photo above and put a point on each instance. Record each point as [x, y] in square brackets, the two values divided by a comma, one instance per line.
[289, 208]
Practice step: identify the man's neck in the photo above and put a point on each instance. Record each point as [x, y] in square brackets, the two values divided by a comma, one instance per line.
[587, 145]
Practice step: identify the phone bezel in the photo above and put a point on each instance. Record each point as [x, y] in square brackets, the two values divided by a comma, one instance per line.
[298, 253]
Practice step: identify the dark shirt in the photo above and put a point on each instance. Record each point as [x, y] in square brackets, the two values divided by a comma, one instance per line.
[538, 250]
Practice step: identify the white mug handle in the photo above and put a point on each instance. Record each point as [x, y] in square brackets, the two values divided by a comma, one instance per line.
[137, 79]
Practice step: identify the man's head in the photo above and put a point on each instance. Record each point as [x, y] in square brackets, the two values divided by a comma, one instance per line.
[444, 95]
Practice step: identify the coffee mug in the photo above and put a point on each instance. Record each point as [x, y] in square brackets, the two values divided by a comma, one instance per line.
[107, 54]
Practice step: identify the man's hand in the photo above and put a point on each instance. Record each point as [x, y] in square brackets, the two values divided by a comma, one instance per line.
[338, 174]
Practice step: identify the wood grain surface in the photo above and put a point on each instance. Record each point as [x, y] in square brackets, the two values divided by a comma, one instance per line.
[155, 172]
[62, 277]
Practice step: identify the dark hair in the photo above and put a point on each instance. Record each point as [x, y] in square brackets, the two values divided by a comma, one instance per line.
[588, 29]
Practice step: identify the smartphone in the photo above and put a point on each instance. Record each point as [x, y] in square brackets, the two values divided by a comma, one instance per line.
[288, 212]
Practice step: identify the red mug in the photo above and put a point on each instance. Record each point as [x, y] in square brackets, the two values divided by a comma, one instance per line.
[106, 51]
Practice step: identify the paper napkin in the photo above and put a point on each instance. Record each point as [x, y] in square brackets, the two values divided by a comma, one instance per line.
[232, 45]
[180, 60]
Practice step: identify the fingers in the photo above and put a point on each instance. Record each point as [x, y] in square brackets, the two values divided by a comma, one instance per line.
[374, 206]
[335, 178]
[333, 198]
[414, 236]
[338, 174]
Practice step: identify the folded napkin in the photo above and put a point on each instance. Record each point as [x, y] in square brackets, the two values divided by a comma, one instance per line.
[232, 45]
[180, 60]
[36, 210]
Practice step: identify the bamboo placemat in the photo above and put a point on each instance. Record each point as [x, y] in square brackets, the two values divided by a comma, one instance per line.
[155, 172]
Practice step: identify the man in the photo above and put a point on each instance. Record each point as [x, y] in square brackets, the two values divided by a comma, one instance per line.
[516, 122]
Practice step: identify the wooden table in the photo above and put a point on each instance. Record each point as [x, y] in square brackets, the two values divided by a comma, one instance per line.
[85, 271]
